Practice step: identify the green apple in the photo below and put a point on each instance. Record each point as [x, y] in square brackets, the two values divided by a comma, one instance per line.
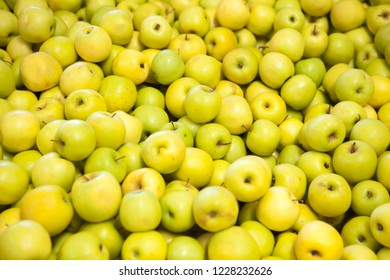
[152, 117]
[262, 235]
[106, 159]
[233, 14]
[7, 79]
[193, 19]
[261, 19]
[313, 67]
[358, 252]
[51, 168]
[318, 240]
[9, 27]
[248, 178]
[202, 103]
[268, 105]
[284, 246]
[235, 114]
[145, 178]
[155, 32]
[119, 93]
[379, 224]
[75, 140]
[144, 10]
[18, 129]
[329, 195]
[298, 91]
[340, 49]
[109, 129]
[323, 133]
[347, 14]
[289, 17]
[87, 40]
[146, 245]
[197, 168]
[215, 208]
[81, 75]
[291, 177]
[150, 95]
[240, 66]
[378, 136]
[288, 41]
[164, 151]
[382, 169]
[96, 196]
[263, 137]
[378, 67]
[278, 209]
[349, 112]
[205, 69]
[25, 240]
[315, 163]
[354, 85]
[36, 24]
[188, 45]
[108, 234]
[355, 160]
[182, 130]
[185, 248]
[140, 211]
[237, 149]
[315, 40]
[83, 245]
[219, 41]
[367, 195]
[45, 136]
[14, 182]
[275, 68]
[167, 66]
[213, 138]
[131, 153]
[27, 160]
[290, 154]
[176, 208]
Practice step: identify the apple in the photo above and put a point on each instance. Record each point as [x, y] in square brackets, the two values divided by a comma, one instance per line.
[61, 48]
[155, 32]
[150, 95]
[383, 114]
[270, 106]
[347, 14]
[378, 67]
[83, 245]
[146, 245]
[205, 69]
[176, 208]
[22, 99]
[14, 182]
[144, 178]
[382, 169]
[340, 49]
[45, 136]
[52, 169]
[329, 195]
[383, 253]
[349, 112]
[202, 103]
[187, 45]
[219, 41]
[312, 67]
[235, 114]
[248, 178]
[226, 87]
[354, 85]
[152, 118]
[315, 163]
[185, 248]
[306, 215]
[348, 160]
[291, 177]
[284, 246]
[263, 137]
[237, 149]
[220, 167]
[144, 10]
[193, 19]
[18, 129]
[120, 93]
[298, 91]
[361, 37]
[213, 138]
[178, 185]
[70, 5]
[275, 68]
[7, 79]
[81, 75]
[140, 211]
[36, 24]
[48, 110]
[81, 103]
[25, 240]
[379, 225]
[288, 41]
[233, 14]
[133, 126]
[9, 217]
[331, 75]
[27, 160]
[9, 27]
[17, 47]
[240, 66]
[358, 252]
[131, 153]
[316, 9]
[261, 19]
[75, 140]
[289, 17]
[167, 66]
[182, 130]
[278, 209]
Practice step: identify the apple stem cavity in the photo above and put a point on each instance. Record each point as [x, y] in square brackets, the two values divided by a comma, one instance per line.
[353, 148]
[118, 159]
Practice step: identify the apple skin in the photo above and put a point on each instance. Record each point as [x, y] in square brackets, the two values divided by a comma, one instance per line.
[263, 137]
[275, 68]
[185, 248]
[146, 245]
[14, 182]
[167, 66]
[379, 224]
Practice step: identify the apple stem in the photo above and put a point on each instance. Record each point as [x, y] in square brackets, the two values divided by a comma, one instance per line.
[353, 148]
[118, 159]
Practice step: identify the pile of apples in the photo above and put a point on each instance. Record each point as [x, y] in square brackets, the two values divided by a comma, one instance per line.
[194, 129]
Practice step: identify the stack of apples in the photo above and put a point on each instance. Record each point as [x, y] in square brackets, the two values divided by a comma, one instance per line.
[195, 129]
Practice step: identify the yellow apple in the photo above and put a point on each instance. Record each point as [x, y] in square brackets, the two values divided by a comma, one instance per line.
[147, 245]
